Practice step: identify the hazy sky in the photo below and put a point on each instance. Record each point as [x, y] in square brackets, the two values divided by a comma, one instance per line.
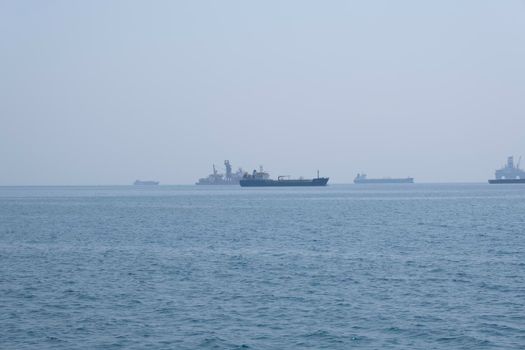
[105, 92]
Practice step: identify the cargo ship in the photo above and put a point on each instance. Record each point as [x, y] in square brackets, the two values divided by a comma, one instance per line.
[362, 179]
[509, 173]
[229, 178]
[145, 183]
[262, 179]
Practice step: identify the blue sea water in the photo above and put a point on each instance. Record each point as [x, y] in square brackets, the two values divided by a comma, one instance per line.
[185, 267]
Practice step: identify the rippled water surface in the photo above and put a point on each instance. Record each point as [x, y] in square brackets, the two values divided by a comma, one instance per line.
[185, 267]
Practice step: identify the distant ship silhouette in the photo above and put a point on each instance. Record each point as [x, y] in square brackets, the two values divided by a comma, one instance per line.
[362, 179]
[145, 183]
[509, 174]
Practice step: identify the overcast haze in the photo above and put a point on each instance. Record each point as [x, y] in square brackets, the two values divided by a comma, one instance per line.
[106, 92]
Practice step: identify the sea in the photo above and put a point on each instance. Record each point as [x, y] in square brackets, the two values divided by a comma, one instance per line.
[422, 266]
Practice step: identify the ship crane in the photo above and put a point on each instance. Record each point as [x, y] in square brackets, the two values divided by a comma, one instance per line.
[228, 170]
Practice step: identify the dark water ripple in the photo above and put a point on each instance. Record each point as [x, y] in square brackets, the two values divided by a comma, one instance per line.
[385, 267]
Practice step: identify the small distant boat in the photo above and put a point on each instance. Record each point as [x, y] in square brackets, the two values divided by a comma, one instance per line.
[362, 179]
[145, 183]
[509, 174]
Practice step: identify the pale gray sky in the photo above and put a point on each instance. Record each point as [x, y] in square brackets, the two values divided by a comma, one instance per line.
[104, 92]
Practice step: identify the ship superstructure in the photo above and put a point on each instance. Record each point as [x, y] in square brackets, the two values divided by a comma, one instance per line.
[228, 178]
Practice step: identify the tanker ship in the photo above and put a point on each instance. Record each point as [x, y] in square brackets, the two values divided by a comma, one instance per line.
[262, 179]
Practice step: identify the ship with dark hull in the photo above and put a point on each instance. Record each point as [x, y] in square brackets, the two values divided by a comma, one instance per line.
[262, 179]
[228, 178]
[509, 173]
[363, 179]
